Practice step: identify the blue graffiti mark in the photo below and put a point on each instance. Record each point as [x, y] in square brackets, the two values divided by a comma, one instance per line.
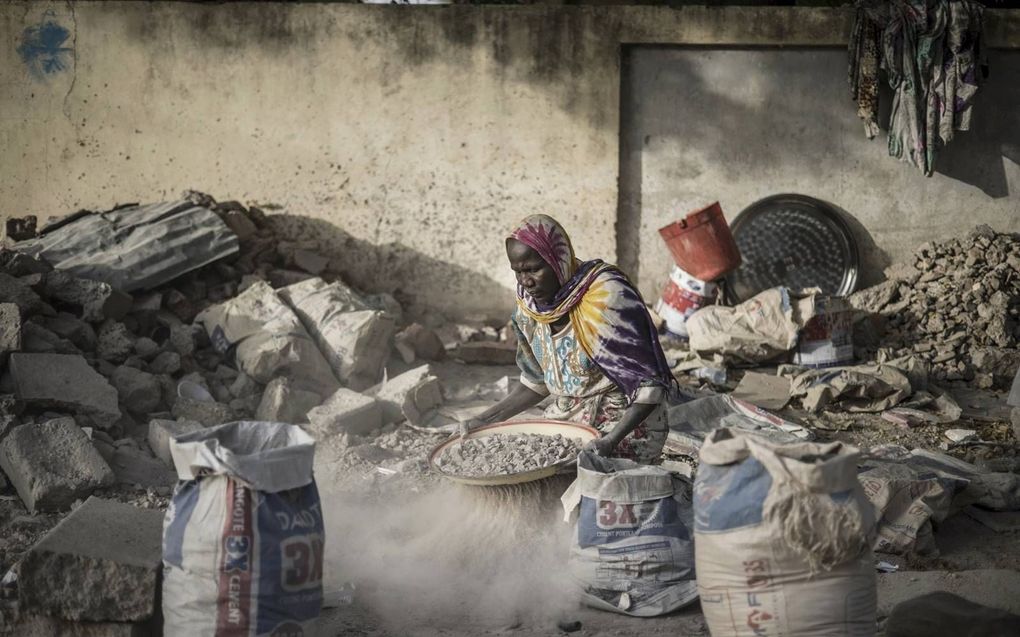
[42, 49]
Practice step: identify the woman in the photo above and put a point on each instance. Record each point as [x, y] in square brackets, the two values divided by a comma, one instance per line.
[585, 337]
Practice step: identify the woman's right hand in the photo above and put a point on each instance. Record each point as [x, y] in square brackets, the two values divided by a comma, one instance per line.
[469, 425]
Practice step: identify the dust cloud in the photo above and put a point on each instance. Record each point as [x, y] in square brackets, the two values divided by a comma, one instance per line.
[492, 557]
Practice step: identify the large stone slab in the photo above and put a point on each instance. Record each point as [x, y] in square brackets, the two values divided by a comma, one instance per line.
[345, 411]
[52, 464]
[101, 564]
[65, 382]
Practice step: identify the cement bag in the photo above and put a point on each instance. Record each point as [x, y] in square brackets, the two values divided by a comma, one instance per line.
[632, 550]
[756, 330]
[268, 339]
[243, 537]
[355, 338]
[782, 539]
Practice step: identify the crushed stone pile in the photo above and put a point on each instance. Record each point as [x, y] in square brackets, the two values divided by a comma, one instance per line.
[505, 454]
[955, 306]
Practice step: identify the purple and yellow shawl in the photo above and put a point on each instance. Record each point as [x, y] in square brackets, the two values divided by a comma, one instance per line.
[607, 313]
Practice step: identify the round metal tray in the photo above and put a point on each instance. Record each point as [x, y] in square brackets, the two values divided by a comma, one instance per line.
[545, 427]
[796, 241]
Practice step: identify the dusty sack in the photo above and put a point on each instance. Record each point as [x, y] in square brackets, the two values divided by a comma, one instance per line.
[354, 338]
[632, 551]
[268, 339]
[758, 329]
[783, 539]
[243, 537]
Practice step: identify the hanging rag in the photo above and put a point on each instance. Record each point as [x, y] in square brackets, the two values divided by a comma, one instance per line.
[929, 51]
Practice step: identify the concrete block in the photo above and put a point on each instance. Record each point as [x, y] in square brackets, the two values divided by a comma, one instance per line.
[65, 382]
[10, 330]
[94, 300]
[410, 395]
[346, 411]
[423, 341]
[139, 392]
[133, 466]
[146, 348]
[101, 563]
[161, 431]
[283, 403]
[52, 464]
[209, 413]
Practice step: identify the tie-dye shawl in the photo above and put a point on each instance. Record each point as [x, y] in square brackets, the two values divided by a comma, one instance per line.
[607, 313]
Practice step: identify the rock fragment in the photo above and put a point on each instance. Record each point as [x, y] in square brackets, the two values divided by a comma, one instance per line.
[52, 464]
[410, 395]
[140, 392]
[161, 431]
[345, 411]
[282, 402]
[115, 342]
[10, 330]
[93, 300]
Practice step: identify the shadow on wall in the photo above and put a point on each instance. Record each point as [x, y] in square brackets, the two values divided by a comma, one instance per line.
[975, 157]
[760, 124]
[554, 50]
[873, 260]
[421, 283]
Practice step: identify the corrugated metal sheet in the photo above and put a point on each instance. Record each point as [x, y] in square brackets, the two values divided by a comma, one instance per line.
[136, 247]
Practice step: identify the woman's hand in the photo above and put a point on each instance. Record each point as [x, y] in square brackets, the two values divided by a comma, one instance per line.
[469, 425]
[604, 446]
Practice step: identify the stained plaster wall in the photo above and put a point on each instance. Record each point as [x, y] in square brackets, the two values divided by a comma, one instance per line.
[404, 139]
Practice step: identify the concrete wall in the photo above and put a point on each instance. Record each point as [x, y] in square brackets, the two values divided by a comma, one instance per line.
[737, 125]
[405, 139]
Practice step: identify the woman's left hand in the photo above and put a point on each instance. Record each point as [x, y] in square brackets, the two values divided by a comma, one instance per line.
[604, 446]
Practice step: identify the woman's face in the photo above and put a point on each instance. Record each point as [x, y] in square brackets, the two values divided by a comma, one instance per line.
[533, 274]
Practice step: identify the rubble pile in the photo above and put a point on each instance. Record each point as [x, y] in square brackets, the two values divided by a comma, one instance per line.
[504, 454]
[94, 382]
[955, 306]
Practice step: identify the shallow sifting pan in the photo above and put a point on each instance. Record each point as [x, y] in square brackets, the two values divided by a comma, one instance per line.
[544, 427]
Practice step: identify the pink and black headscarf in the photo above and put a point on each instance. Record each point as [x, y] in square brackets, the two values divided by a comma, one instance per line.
[607, 313]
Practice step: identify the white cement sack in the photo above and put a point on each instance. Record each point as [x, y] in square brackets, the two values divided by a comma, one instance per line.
[268, 339]
[783, 539]
[243, 537]
[757, 330]
[355, 338]
[632, 550]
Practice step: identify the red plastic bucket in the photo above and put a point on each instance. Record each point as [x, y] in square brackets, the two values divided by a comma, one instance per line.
[702, 244]
[684, 295]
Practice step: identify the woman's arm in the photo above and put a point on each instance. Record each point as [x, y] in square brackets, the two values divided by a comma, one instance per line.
[634, 416]
[521, 397]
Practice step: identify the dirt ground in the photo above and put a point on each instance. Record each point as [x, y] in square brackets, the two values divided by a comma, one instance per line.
[387, 604]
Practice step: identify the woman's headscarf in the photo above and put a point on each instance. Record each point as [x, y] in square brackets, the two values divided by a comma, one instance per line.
[607, 313]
